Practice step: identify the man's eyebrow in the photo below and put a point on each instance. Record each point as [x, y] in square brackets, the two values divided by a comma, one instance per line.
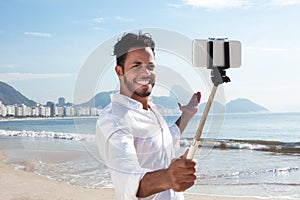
[139, 63]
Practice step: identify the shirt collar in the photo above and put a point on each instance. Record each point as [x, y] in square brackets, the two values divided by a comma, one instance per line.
[129, 102]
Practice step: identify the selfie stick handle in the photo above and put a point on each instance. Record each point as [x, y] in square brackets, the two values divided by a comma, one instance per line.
[194, 146]
[218, 76]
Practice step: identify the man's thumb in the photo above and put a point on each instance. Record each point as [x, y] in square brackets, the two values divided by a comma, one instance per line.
[185, 154]
[179, 105]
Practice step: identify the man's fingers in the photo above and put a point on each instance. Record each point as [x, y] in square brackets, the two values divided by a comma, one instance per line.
[179, 105]
[180, 187]
[185, 164]
[198, 94]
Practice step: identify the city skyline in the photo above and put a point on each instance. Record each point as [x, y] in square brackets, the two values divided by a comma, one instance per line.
[45, 43]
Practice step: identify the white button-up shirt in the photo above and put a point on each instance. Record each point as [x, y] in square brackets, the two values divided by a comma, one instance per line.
[133, 141]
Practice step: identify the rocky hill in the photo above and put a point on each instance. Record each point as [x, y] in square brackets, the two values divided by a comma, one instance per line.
[10, 96]
[244, 106]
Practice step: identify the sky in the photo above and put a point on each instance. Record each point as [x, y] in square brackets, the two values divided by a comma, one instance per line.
[44, 43]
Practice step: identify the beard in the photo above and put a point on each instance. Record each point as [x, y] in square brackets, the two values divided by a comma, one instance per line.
[141, 92]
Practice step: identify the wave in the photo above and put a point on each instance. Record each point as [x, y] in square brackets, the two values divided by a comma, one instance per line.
[204, 178]
[256, 145]
[223, 144]
[47, 134]
[249, 184]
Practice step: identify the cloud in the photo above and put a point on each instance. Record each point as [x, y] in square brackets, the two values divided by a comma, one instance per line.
[97, 28]
[98, 20]
[14, 77]
[217, 4]
[38, 34]
[124, 19]
[175, 5]
[283, 2]
[9, 66]
[221, 4]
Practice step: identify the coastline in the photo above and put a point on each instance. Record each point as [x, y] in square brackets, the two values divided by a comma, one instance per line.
[2, 119]
[20, 185]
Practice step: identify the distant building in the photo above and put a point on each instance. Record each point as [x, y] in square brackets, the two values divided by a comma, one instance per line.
[42, 111]
[61, 101]
[52, 107]
[19, 111]
[94, 112]
[68, 104]
[3, 110]
[10, 110]
[49, 110]
[35, 112]
[69, 111]
[59, 111]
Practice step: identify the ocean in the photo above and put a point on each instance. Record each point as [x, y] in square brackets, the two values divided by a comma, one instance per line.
[240, 154]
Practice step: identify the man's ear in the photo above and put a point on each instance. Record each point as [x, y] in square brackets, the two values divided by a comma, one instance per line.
[119, 71]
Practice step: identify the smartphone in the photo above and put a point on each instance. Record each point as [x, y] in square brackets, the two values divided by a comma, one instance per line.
[216, 52]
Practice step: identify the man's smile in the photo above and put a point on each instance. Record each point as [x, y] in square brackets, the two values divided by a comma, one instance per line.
[143, 81]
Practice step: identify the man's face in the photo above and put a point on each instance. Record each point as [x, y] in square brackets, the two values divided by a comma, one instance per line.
[139, 72]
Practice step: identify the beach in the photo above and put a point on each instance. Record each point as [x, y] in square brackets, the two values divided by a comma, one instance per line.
[58, 159]
[25, 185]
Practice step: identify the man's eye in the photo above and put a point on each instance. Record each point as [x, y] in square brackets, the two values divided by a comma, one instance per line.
[150, 67]
[137, 66]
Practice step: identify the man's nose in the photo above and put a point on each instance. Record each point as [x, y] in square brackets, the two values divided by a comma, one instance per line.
[145, 71]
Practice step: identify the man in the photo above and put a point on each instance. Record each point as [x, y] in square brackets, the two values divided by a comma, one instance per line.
[133, 138]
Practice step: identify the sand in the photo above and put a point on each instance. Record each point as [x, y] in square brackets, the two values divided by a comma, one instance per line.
[25, 185]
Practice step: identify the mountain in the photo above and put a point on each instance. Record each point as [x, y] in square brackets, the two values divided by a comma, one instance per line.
[101, 100]
[216, 107]
[244, 106]
[10, 96]
[235, 106]
[168, 102]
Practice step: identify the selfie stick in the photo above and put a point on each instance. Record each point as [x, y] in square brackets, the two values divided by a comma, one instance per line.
[218, 76]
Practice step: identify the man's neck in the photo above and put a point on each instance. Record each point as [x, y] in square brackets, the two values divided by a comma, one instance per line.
[142, 100]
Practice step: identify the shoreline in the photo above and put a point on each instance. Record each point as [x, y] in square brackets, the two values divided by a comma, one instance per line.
[44, 118]
[24, 184]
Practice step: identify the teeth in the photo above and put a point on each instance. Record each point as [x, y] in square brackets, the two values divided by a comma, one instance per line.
[143, 82]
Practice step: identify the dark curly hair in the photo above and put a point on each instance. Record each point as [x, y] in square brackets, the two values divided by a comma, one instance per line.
[131, 40]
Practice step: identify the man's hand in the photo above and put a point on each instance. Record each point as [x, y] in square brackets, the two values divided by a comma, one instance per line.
[188, 111]
[192, 107]
[181, 173]
[179, 176]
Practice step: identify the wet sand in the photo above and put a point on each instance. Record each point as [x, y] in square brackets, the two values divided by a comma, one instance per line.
[25, 185]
